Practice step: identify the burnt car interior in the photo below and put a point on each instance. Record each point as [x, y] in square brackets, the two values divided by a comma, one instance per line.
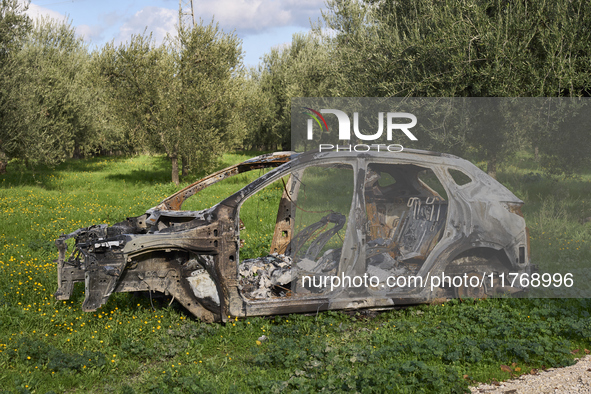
[308, 234]
[404, 220]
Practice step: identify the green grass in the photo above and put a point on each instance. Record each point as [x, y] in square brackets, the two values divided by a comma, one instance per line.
[127, 347]
[555, 210]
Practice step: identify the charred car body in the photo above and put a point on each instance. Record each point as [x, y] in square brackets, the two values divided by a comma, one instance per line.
[412, 214]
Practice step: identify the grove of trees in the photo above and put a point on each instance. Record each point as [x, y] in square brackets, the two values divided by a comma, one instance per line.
[192, 99]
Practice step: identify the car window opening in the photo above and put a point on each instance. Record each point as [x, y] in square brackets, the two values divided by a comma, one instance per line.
[308, 233]
[405, 218]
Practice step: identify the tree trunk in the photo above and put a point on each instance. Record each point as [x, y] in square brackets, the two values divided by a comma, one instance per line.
[175, 169]
[536, 153]
[3, 162]
[185, 164]
[491, 167]
[77, 152]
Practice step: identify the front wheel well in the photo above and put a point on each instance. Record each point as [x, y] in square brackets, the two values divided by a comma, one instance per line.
[167, 273]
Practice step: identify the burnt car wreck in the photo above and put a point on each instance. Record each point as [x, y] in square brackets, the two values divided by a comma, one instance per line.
[412, 214]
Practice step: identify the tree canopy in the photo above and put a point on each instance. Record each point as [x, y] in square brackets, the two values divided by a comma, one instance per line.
[191, 98]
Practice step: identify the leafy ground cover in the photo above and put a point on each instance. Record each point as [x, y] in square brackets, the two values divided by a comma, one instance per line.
[49, 346]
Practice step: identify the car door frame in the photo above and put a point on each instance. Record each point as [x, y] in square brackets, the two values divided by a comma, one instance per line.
[240, 305]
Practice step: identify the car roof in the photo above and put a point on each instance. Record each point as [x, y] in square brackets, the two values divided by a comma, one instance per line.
[416, 156]
[291, 158]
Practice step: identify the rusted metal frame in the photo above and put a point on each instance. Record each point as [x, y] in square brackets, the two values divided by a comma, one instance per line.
[225, 268]
[206, 240]
[284, 306]
[175, 201]
[164, 274]
[284, 224]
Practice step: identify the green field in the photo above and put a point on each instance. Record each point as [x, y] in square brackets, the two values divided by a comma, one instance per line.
[125, 347]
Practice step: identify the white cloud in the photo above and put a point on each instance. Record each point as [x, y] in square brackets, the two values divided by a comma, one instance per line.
[256, 16]
[95, 33]
[36, 12]
[246, 17]
[159, 21]
[90, 33]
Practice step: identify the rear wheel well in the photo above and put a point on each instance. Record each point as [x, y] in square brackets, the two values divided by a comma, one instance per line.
[480, 263]
[483, 256]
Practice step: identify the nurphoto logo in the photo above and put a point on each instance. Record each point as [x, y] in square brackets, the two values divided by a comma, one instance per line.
[345, 129]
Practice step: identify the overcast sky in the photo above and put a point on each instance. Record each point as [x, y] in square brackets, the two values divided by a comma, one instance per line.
[261, 24]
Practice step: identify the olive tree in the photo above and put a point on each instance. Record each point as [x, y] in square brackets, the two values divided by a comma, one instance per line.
[48, 94]
[14, 26]
[182, 97]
